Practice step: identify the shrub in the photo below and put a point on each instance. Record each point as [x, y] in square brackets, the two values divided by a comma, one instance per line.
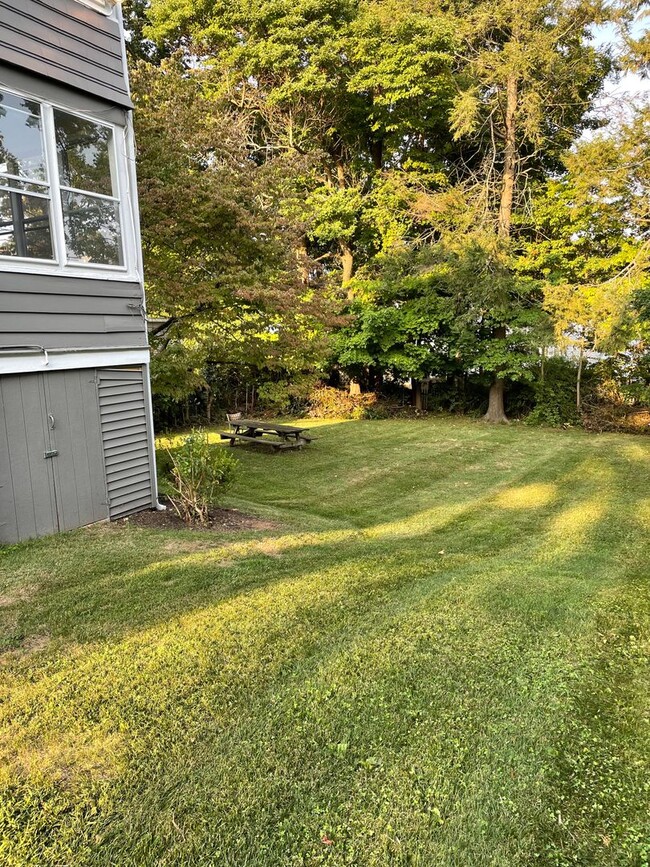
[327, 402]
[286, 397]
[199, 473]
[624, 379]
[555, 395]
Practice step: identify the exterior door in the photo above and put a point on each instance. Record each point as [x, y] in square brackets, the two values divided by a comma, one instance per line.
[51, 461]
[27, 499]
[72, 418]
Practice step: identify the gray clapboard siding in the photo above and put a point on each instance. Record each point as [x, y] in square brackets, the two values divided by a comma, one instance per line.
[64, 312]
[59, 323]
[58, 285]
[13, 78]
[66, 42]
[73, 341]
[71, 305]
[125, 432]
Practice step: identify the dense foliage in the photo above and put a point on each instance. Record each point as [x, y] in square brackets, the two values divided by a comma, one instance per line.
[393, 194]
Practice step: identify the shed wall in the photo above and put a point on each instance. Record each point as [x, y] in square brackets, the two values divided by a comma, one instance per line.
[125, 435]
[27, 500]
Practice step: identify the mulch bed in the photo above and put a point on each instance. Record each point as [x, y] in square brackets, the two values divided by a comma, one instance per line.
[219, 520]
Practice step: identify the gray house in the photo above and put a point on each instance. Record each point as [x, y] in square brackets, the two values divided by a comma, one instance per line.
[76, 435]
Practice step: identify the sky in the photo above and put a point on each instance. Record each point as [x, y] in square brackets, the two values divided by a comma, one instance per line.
[629, 89]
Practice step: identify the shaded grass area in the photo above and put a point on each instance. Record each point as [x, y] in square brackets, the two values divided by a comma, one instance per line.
[441, 658]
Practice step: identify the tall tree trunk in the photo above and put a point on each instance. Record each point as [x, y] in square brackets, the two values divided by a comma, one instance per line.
[416, 385]
[347, 263]
[509, 160]
[579, 380]
[345, 247]
[496, 405]
[377, 152]
[496, 412]
[302, 258]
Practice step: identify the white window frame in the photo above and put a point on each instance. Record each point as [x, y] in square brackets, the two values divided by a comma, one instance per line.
[120, 148]
[103, 6]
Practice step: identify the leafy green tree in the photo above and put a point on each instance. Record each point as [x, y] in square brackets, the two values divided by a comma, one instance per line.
[389, 149]
[361, 86]
[223, 283]
[528, 76]
[134, 16]
[401, 322]
[432, 312]
[589, 244]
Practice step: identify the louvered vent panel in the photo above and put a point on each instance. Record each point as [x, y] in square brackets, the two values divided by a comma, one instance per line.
[126, 445]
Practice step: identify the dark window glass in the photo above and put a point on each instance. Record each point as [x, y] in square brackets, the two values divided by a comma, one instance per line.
[92, 229]
[22, 151]
[83, 153]
[25, 226]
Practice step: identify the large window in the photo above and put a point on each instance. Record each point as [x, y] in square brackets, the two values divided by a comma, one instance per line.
[25, 228]
[91, 208]
[59, 191]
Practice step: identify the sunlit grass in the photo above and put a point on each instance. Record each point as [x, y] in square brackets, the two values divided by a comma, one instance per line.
[439, 657]
[526, 497]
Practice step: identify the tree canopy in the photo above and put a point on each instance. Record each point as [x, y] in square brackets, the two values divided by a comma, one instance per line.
[389, 190]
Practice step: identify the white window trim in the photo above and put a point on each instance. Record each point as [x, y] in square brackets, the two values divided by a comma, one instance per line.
[121, 149]
[103, 6]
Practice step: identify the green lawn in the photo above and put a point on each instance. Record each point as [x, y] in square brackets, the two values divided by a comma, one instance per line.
[439, 657]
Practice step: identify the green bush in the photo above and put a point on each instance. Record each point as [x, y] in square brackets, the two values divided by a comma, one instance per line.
[164, 464]
[327, 402]
[199, 474]
[286, 397]
[624, 379]
[555, 394]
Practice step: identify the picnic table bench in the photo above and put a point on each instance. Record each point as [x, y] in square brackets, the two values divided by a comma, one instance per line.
[276, 436]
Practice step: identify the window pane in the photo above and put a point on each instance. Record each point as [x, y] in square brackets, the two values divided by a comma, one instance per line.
[83, 151]
[92, 229]
[21, 138]
[25, 226]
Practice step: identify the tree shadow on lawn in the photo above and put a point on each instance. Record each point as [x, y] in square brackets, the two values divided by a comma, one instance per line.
[483, 540]
[121, 588]
[268, 652]
[420, 459]
[377, 698]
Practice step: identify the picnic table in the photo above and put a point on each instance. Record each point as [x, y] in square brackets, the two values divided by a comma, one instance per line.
[276, 436]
